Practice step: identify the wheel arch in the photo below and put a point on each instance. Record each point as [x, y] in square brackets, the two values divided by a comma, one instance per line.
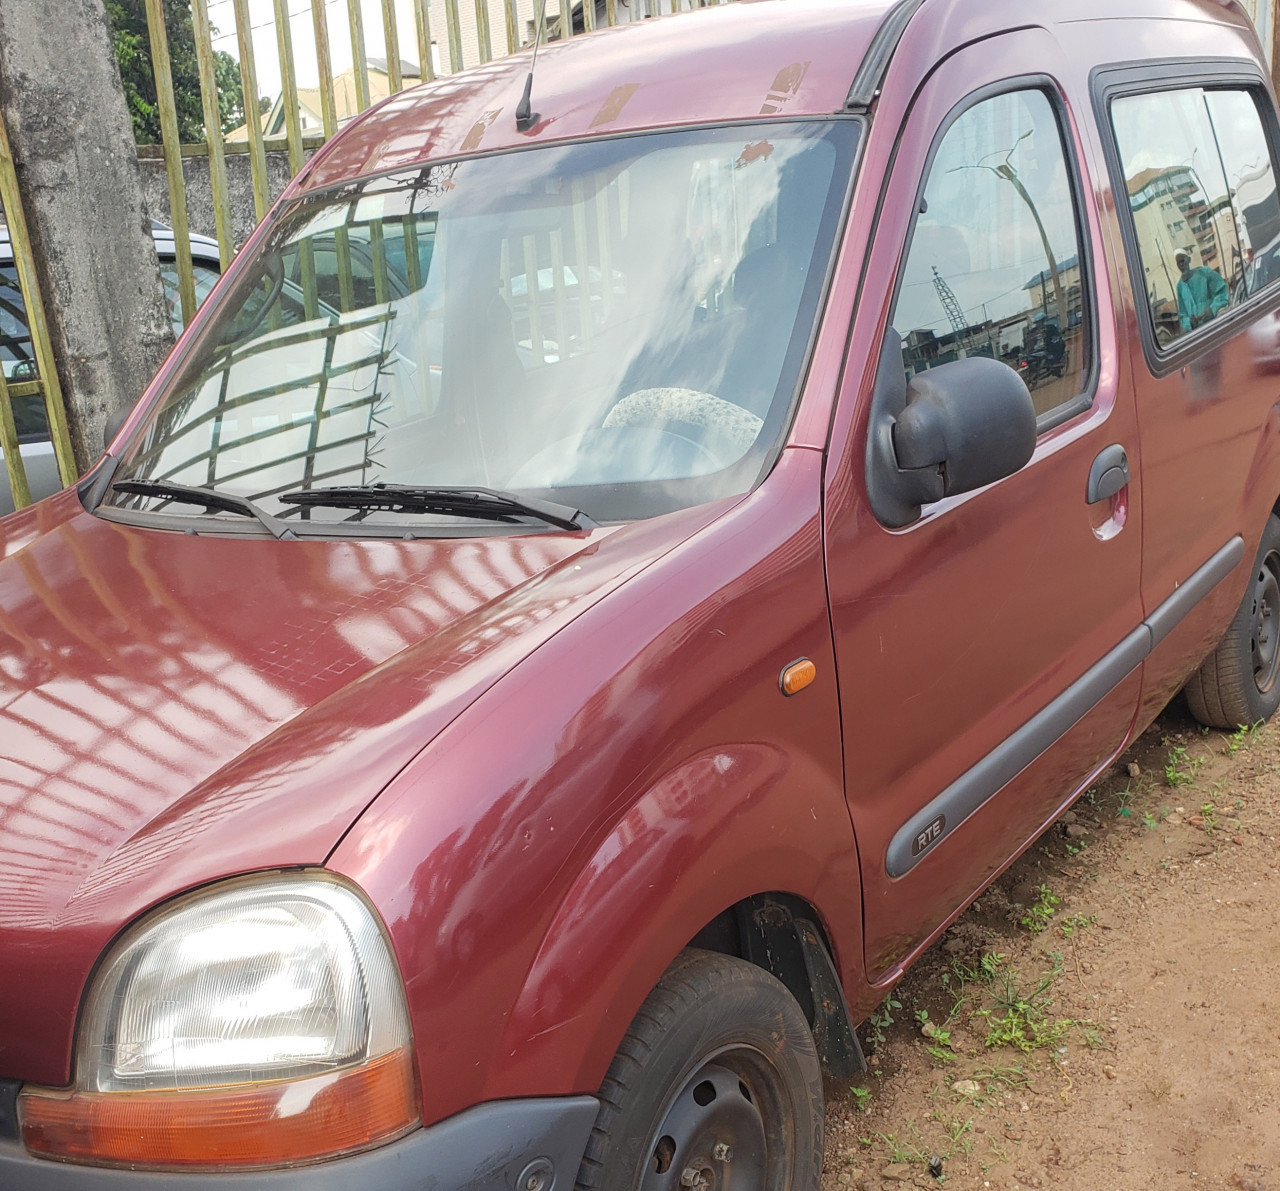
[736, 888]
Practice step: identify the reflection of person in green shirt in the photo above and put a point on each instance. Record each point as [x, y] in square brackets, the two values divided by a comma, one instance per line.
[1201, 293]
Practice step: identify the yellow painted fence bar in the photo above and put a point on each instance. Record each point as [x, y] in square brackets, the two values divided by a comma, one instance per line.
[12, 453]
[422, 23]
[455, 34]
[483, 40]
[172, 157]
[355, 18]
[253, 117]
[391, 39]
[289, 87]
[213, 131]
[324, 64]
[20, 241]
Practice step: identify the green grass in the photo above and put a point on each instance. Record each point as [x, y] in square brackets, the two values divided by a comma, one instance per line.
[1040, 913]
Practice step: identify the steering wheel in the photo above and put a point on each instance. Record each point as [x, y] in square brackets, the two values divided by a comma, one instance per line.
[721, 431]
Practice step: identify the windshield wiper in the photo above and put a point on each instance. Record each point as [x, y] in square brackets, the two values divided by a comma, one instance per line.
[488, 503]
[192, 494]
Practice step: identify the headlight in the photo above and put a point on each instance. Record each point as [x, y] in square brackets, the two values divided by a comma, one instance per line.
[256, 1023]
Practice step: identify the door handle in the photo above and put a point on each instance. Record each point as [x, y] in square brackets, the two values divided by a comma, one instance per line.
[1109, 473]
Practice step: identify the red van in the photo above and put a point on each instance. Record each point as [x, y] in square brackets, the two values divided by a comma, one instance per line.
[629, 551]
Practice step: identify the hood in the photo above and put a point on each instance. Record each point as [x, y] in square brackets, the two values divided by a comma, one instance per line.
[176, 709]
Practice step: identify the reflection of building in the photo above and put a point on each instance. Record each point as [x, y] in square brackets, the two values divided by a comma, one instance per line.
[1007, 338]
[346, 102]
[923, 348]
[1172, 214]
[1043, 301]
[1258, 208]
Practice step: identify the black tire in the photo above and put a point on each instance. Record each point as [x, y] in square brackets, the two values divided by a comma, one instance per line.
[719, 1055]
[1239, 682]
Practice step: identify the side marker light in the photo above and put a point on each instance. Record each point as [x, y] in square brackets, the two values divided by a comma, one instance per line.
[795, 677]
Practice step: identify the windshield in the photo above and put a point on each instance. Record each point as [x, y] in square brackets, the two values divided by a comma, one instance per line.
[617, 326]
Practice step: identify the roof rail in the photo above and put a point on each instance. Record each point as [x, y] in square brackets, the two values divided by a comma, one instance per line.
[866, 83]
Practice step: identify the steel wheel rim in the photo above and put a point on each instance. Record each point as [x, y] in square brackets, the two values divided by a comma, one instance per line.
[1264, 629]
[724, 1130]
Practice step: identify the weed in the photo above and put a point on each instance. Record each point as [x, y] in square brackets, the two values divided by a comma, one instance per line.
[1208, 818]
[1041, 911]
[1243, 733]
[959, 1132]
[997, 1076]
[1174, 772]
[982, 972]
[1149, 821]
[898, 1151]
[861, 1099]
[931, 1029]
[1122, 797]
[1076, 922]
[880, 1020]
[1020, 1016]
[941, 1049]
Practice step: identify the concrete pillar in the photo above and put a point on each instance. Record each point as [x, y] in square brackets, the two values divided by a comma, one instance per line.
[82, 192]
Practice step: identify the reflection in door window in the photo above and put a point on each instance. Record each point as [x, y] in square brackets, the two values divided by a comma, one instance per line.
[994, 263]
[1202, 195]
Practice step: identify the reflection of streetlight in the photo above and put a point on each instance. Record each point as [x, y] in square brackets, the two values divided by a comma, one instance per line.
[1231, 198]
[1006, 171]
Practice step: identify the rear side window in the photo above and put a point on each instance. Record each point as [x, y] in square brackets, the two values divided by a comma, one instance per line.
[994, 265]
[1202, 196]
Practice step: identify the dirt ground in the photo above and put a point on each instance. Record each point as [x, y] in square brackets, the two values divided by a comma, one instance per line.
[1106, 1016]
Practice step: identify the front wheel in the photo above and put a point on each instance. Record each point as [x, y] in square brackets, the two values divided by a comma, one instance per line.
[716, 1087]
[1239, 683]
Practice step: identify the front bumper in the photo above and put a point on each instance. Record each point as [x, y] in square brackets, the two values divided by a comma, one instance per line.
[500, 1146]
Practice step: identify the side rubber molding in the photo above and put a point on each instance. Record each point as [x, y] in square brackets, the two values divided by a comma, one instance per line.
[934, 822]
[535, 1144]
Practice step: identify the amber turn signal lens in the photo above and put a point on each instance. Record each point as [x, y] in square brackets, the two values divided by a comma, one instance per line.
[236, 1127]
[797, 676]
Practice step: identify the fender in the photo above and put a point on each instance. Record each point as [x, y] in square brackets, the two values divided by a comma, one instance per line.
[647, 745]
[726, 824]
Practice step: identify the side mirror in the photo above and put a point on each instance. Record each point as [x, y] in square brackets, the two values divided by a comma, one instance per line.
[952, 429]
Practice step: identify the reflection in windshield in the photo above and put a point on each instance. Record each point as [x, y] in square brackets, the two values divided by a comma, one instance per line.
[616, 325]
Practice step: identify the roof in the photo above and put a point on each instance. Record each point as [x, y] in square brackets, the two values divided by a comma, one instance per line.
[785, 57]
[1044, 276]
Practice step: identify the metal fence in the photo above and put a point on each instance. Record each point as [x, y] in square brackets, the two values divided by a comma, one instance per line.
[468, 37]
[43, 384]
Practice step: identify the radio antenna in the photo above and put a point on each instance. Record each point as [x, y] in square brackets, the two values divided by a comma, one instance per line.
[526, 118]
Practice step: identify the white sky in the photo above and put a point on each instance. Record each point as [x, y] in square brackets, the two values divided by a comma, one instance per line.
[266, 53]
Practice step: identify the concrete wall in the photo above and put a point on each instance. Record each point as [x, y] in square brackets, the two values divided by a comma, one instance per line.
[79, 183]
[195, 170]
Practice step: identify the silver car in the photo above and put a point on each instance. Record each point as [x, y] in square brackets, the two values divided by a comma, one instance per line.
[18, 359]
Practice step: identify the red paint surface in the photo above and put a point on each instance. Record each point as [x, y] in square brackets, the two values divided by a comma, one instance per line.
[550, 760]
